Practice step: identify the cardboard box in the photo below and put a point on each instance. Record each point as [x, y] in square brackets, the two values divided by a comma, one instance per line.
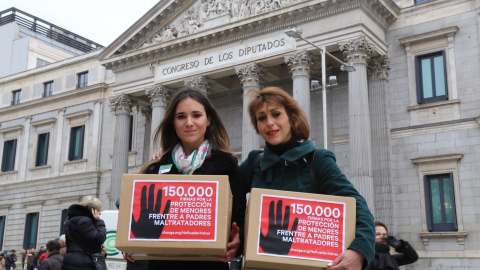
[292, 230]
[195, 226]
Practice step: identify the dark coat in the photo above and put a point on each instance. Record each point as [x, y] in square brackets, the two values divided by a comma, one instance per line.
[291, 172]
[84, 234]
[385, 261]
[10, 260]
[217, 163]
[52, 262]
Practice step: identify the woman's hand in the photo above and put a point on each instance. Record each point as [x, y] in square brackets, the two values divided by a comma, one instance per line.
[348, 260]
[158, 155]
[96, 213]
[127, 256]
[233, 245]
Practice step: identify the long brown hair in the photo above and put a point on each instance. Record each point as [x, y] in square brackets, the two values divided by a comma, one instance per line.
[298, 119]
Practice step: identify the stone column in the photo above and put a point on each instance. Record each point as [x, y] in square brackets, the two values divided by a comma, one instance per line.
[299, 64]
[250, 75]
[357, 53]
[22, 165]
[158, 96]
[122, 107]
[57, 158]
[97, 122]
[377, 70]
[201, 82]
[147, 113]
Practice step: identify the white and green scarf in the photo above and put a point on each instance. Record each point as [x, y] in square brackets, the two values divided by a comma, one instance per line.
[188, 164]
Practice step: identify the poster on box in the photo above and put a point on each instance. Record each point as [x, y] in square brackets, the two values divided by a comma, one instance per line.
[169, 210]
[301, 228]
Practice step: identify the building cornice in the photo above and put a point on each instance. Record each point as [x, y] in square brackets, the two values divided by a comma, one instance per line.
[50, 67]
[426, 36]
[57, 98]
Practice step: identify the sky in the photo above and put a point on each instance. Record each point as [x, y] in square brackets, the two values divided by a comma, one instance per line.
[101, 21]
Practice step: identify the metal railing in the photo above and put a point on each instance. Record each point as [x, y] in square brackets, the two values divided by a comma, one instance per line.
[47, 29]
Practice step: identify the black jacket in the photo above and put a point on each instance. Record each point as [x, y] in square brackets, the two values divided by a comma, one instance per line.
[84, 234]
[10, 260]
[217, 163]
[52, 262]
[383, 260]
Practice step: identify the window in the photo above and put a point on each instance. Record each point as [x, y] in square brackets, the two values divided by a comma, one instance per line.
[440, 203]
[431, 78]
[42, 149]
[63, 219]
[75, 151]
[418, 2]
[41, 63]
[31, 229]
[8, 159]
[2, 230]
[47, 89]
[82, 80]
[130, 134]
[16, 97]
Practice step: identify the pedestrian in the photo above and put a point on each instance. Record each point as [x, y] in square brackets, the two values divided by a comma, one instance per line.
[284, 165]
[32, 260]
[10, 260]
[54, 260]
[383, 259]
[28, 260]
[39, 254]
[85, 234]
[195, 141]
[2, 259]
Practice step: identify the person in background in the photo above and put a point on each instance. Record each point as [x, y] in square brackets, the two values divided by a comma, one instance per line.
[42, 257]
[85, 234]
[277, 117]
[2, 259]
[63, 247]
[194, 140]
[27, 259]
[32, 261]
[10, 260]
[54, 260]
[39, 253]
[383, 259]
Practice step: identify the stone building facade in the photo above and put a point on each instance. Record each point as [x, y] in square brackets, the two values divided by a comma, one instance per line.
[405, 125]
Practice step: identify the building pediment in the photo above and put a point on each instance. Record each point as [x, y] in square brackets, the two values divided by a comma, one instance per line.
[174, 28]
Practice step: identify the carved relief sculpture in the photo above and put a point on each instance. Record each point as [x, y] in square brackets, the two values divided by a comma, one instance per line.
[259, 7]
[212, 9]
[235, 9]
[194, 18]
[203, 13]
[221, 7]
[244, 10]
